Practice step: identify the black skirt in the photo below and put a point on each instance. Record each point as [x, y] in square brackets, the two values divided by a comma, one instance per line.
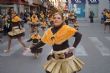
[36, 50]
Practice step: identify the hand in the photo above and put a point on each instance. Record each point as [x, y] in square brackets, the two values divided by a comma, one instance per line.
[71, 49]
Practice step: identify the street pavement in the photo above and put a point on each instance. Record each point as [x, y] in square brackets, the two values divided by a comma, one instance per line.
[94, 50]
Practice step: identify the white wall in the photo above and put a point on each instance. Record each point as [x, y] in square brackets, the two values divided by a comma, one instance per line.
[21, 8]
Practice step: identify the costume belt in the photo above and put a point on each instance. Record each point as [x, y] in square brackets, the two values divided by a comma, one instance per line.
[107, 21]
[62, 54]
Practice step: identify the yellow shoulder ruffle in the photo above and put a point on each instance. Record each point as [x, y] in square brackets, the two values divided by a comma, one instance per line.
[62, 35]
[16, 19]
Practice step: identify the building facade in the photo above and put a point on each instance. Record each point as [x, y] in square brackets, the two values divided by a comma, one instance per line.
[19, 5]
[83, 7]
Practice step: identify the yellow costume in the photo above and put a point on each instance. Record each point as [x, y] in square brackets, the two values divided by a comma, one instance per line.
[16, 29]
[44, 24]
[16, 19]
[67, 64]
[34, 24]
[59, 37]
[42, 15]
[34, 19]
[76, 25]
[108, 17]
[35, 36]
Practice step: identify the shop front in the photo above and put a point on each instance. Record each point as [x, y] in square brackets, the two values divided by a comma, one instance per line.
[79, 7]
[82, 8]
[16, 5]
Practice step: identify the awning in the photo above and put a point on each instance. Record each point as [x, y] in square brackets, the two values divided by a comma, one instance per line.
[93, 1]
[78, 1]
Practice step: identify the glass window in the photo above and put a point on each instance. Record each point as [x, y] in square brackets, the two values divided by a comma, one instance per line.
[79, 9]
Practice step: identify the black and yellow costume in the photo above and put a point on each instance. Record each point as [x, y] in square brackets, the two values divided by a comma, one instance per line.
[35, 38]
[61, 62]
[76, 25]
[107, 22]
[43, 25]
[16, 29]
[34, 19]
[66, 18]
[42, 17]
[34, 23]
[51, 20]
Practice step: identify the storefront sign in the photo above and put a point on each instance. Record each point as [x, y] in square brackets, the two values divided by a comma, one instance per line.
[93, 1]
[78, 1]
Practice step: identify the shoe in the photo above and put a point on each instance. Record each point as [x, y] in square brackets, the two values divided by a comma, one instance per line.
[35, 56]
[6, 51]
[27, 53]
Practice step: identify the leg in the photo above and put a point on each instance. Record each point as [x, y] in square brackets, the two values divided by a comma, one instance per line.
[22, 43]
[0, 38]
[35, 29]
[90, 20]
[93, 20]
[35, 55]
[104, 27]
[9, 45]
[32, 28]
[109, 27]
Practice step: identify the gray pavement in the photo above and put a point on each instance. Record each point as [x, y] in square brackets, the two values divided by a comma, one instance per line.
[94, 50]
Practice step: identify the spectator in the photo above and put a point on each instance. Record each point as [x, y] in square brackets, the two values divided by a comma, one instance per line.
[91, 16]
